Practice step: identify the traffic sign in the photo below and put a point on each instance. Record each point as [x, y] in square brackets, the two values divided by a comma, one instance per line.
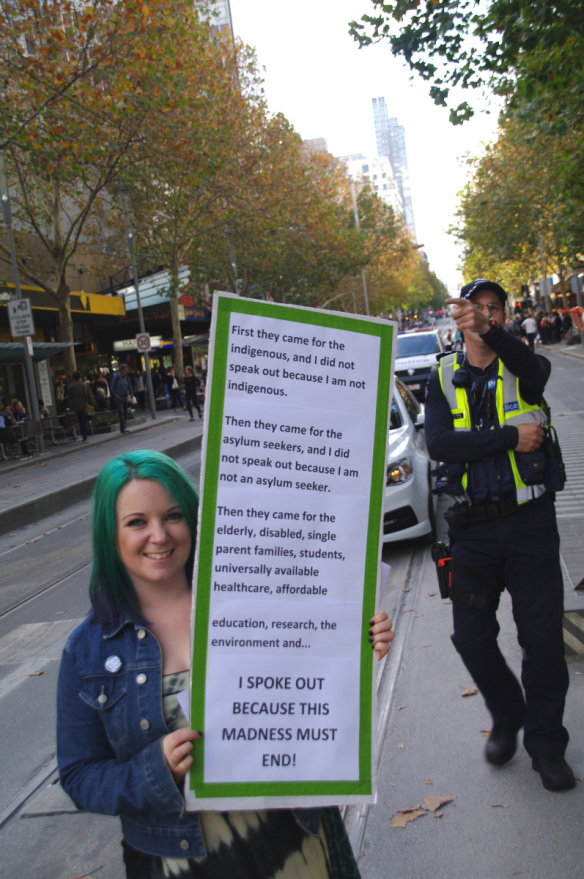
[20, 318]
[143, 342]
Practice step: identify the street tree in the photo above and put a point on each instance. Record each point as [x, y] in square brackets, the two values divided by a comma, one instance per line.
[283, 232]
[523, 50]
[68, 159]
[515, 207]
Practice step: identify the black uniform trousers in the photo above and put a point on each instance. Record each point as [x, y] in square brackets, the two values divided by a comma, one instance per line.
[522, 550]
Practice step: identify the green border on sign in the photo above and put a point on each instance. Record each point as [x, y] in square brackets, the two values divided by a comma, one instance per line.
[225, 306]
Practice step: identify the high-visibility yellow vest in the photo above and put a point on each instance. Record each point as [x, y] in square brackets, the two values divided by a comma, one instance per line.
[511, 409]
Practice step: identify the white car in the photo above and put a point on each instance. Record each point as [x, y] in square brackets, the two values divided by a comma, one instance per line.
[409, 507]
[416, 356]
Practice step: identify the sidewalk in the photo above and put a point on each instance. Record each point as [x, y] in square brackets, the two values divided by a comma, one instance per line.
[501, 823]
[63, 475]
[562, 348]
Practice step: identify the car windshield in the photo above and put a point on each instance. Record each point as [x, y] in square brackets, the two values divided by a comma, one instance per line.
[417, 343]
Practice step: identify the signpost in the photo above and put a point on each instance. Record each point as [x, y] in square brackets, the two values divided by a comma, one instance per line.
[20, 318]
[143, 342]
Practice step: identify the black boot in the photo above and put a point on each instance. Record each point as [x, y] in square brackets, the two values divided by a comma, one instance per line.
[555, 773]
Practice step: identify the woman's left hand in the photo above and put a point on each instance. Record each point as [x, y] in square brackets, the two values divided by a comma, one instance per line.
[176, 748]
[380, 634]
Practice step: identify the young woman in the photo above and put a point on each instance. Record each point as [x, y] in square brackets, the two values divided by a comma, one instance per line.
[123, 743]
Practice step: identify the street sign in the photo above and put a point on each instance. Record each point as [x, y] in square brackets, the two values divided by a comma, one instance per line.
[143, 342]
[20, 318]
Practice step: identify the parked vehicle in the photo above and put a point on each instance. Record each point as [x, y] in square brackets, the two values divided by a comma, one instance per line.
[415, 357]
[409, 508]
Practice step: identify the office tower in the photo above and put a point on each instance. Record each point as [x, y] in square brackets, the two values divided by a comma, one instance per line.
[391, 143]
[378, 172]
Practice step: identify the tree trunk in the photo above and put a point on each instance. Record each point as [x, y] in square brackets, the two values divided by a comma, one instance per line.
[66, 327]
[177, 357]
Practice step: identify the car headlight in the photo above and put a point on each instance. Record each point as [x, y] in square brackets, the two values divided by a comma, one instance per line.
[399, 471]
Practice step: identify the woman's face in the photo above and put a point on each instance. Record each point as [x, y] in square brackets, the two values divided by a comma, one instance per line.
[153, 537]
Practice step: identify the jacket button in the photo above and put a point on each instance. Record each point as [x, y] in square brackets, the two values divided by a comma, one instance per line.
[144, 724]
[185, 845]
[141, 679]
[102, 698]
[141, 633]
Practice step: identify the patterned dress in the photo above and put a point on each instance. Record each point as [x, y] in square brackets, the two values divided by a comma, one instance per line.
[249, 845]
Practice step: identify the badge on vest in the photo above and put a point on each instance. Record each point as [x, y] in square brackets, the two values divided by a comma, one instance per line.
[511, 407]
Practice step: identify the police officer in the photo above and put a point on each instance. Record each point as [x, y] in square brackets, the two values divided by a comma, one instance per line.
[484, 420]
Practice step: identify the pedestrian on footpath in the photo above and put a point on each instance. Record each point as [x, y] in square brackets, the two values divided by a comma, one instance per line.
[484, 419]
[123, 393]
[82, 402]
[530, 327]
[191, 390]
[123, 742]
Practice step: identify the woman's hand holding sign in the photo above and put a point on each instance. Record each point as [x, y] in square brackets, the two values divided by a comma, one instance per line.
[380, 634]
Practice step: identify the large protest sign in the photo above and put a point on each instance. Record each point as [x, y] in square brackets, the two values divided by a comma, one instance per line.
[288, 555]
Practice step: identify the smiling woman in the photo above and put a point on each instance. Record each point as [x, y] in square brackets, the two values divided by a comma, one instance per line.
[154, 539]
[123, 743]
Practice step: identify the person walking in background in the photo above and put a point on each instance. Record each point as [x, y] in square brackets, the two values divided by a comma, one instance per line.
[530, 327]
[174, 389]
[191, 391]
[123, 743]
[484, 420]
[122, 393]
[139, 389]
[80, 398]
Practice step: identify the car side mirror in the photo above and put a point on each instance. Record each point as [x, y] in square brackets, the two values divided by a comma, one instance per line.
[420, 419]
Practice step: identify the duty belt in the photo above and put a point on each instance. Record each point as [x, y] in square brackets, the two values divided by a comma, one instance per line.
[459, 514]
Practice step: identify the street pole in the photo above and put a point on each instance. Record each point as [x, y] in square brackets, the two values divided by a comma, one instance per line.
[7, 215]
[124, 194]
[356, 215]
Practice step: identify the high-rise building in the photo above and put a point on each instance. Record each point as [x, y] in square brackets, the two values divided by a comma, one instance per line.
[391, 142]
[219, 13]
[378, 173]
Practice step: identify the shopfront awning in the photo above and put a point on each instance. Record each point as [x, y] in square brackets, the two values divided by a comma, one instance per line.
[197, 341]
[13, 352]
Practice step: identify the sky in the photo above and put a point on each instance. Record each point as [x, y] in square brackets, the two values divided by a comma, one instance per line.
[315, 74]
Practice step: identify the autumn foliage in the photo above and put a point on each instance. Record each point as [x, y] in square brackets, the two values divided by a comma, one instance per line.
[112, 92]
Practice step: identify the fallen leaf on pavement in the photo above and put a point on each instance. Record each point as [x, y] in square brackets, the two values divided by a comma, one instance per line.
[470, 691]
[58, 613]
[434, 803]
[431, 594]
[35, 674]
[428, 781]
[401, 707]
[16, 486]
[401, 746]
[44, 464]
[499, 806]
[404, 816]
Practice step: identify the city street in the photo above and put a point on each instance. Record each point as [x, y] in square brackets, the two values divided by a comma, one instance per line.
[492, 823]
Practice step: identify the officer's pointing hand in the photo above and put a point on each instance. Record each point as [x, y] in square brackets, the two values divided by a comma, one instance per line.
[467, 316]
[531, 437]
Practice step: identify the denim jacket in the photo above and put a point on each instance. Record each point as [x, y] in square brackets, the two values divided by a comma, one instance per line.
[109, 728]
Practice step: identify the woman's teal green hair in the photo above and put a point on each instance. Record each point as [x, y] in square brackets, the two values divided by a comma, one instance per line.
[111, 591]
